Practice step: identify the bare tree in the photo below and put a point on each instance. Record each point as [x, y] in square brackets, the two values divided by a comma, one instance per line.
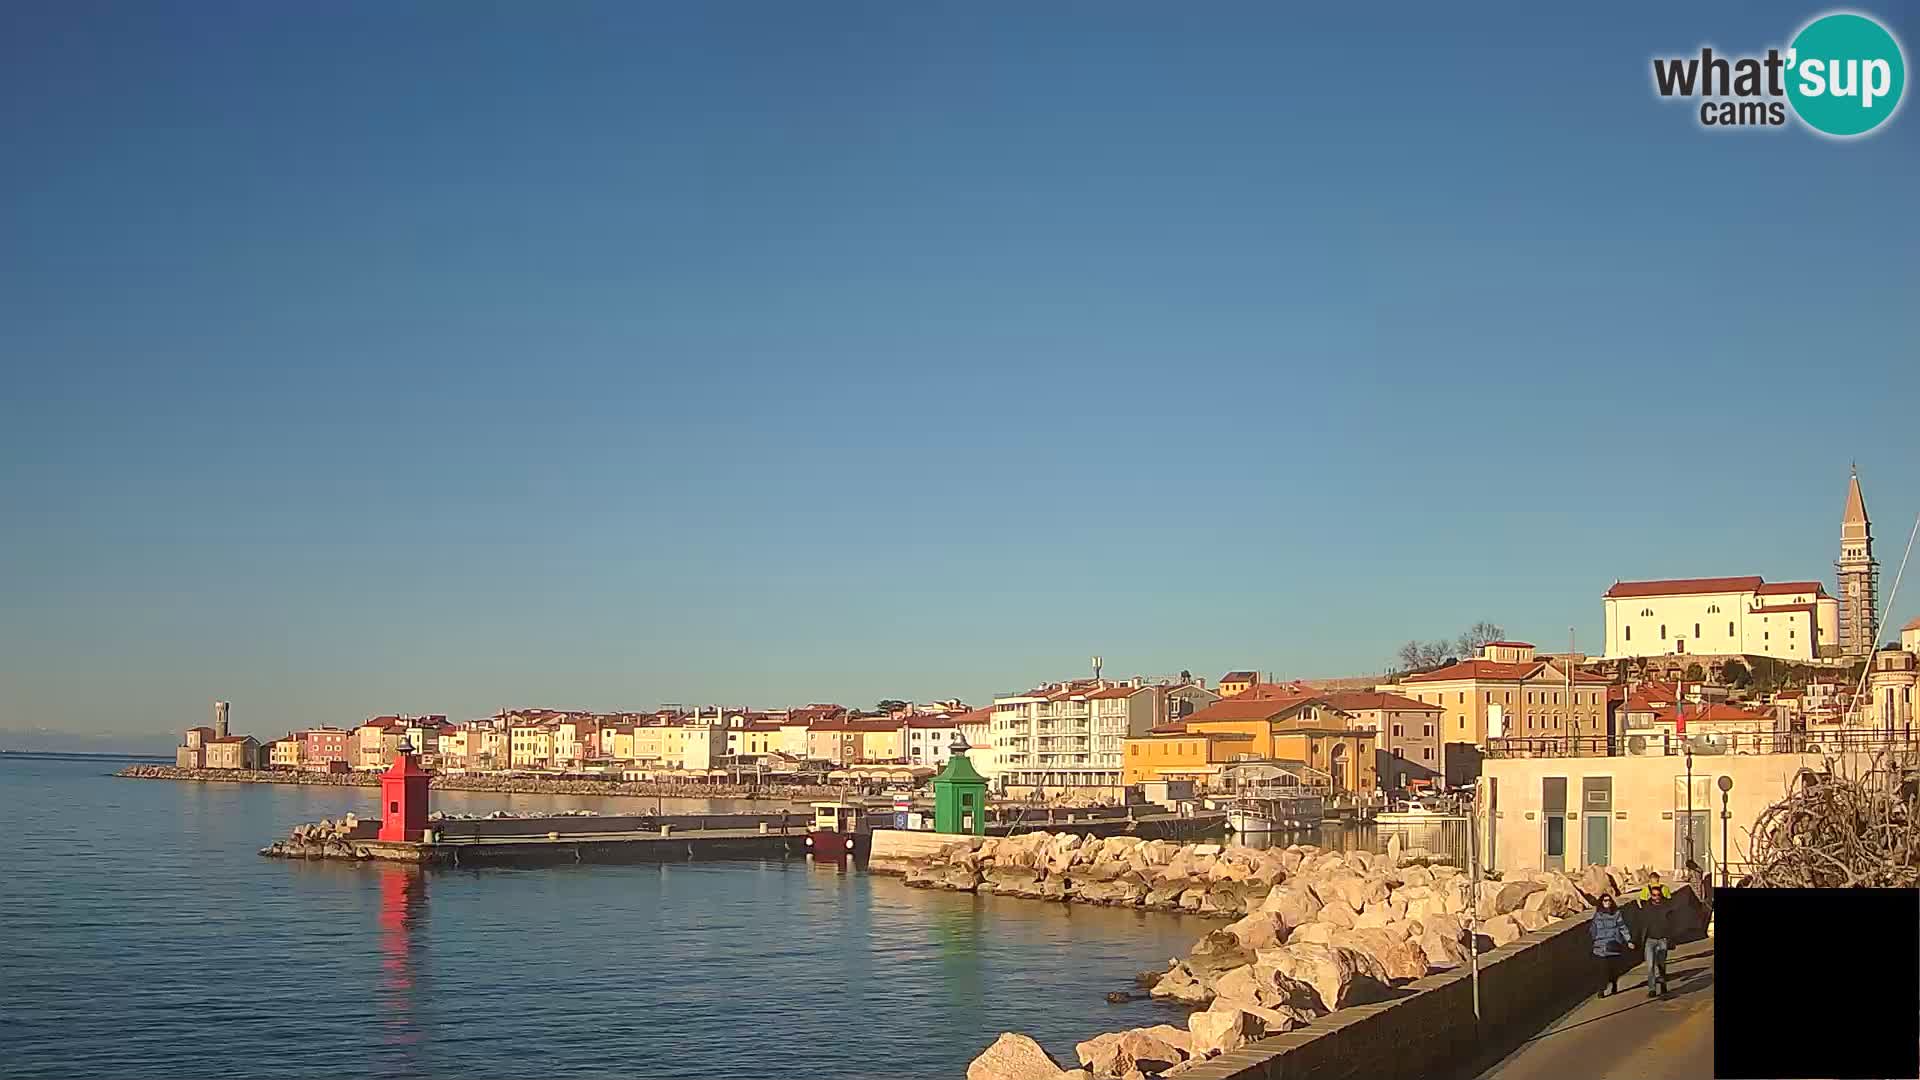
[1477, 635]
[1840, 828]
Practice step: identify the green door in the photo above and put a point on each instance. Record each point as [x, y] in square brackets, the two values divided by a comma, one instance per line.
[1599, 850]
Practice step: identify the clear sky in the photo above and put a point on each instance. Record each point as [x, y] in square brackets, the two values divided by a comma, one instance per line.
[438, 357]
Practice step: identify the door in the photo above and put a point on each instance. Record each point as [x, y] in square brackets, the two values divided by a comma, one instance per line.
[1692, 839]
[1553, 825]
[1599, 847]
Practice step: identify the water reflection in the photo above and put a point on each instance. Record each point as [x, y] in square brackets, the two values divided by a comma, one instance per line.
[401, 919]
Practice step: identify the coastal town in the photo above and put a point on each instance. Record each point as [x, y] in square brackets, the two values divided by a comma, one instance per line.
[1570, 756]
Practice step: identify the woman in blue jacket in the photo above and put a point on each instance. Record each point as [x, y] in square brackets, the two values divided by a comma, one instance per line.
[1611, 939]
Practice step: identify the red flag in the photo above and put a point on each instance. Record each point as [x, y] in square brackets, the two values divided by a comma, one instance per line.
[1679, 719]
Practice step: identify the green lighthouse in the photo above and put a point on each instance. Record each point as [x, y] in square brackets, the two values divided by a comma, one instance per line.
[960, 794]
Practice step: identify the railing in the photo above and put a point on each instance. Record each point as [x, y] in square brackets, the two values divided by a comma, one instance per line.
[1660, 744]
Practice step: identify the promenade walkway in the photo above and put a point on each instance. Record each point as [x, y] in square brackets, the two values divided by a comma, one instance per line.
[1629, 1036]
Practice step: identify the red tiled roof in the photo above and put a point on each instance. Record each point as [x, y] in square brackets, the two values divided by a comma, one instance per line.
[1913, 625]
[1241, 676]
[1116, 692]
[234, 738]
[1351, 700]
[1272, 691]
[1510, 644]
[1495, 671]
[939, 720]
[1685, 586]
[764, 725]
[1777, 588]
[975, 716]
[1242, 707]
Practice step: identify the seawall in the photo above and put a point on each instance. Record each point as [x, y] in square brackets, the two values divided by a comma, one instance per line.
[1430, 1030]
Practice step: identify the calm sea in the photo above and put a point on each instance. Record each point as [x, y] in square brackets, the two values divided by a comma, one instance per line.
[140, 935]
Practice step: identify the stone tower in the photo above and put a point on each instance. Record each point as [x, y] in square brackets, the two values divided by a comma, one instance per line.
[1859, 577]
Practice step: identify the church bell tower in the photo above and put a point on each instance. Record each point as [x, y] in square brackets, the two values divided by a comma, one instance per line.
[1859, 577]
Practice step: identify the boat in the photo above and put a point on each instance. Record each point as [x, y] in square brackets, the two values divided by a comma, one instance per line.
[1269, 811]
[837, 832]
[1420, 812]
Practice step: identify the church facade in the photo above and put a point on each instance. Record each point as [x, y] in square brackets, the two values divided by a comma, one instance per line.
[1749, 616]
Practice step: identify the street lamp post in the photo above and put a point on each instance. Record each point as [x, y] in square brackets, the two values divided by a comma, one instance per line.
[1688, 746]
[1726, 824]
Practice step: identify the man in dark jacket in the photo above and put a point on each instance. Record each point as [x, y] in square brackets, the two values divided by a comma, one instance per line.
[1656, 932]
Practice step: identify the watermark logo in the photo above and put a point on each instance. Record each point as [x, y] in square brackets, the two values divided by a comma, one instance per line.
[1843, 75]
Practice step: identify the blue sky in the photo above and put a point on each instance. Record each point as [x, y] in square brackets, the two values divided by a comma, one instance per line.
[437, 357]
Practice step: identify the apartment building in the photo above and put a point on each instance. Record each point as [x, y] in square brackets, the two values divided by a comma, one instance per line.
[1070, 736]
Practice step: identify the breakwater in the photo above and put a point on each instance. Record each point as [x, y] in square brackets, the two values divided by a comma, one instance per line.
[506, 785]
[1314, 931]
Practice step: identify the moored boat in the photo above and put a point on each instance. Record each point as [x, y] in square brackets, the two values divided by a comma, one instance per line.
[836, 831]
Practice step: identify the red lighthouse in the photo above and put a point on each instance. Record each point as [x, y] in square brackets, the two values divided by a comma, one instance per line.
[403, 797]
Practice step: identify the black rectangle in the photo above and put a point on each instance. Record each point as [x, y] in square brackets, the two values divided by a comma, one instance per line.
[1846, 962]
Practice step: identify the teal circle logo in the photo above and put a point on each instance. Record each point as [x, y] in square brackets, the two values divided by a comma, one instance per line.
[1845, 74]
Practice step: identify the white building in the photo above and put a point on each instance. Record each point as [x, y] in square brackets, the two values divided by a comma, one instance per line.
[1068, 736]
[1727, 616]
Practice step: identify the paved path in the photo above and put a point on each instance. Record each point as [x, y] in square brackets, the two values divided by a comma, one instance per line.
[1629, 1036]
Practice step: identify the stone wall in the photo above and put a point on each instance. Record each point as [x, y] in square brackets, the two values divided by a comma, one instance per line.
[1431, 1031]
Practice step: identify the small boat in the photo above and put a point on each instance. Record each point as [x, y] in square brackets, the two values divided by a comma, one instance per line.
[836, 831]
[1423, 812]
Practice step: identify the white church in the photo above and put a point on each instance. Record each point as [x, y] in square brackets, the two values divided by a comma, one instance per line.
[1730, 616]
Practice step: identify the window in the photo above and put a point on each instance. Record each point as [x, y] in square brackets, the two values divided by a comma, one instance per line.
[1713, 609]
[1396, 731]
[1663, 631]
[1427, 730]
[1696, 629]
[1629, 633]
[1646, 613]
[1461, 699]
[1426, 753]
[1729, 629]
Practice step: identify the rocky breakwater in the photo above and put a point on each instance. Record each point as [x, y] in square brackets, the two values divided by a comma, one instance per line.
[1332, 929]
[1120, 871]
[326, 839]
[490, 782]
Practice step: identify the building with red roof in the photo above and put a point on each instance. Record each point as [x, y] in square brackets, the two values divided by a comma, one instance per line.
[1721, 616]
[1506, 691]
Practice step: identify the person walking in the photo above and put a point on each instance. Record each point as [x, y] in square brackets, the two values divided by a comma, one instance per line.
[1702, 890]
[1656, 934]
[1611, 939]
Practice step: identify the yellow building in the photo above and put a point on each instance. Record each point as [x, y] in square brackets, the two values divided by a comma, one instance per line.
[617, 742]
[285, 753]
[1507, 691]
[530, 747]
[1235, 683]
[1181, 756]
[879, 740]
[233, 752]
[1304, 730]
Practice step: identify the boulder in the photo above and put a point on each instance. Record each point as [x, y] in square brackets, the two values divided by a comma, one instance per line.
[1321, 932]
[1339, 913]
[1295, 905]
[1395, 958]
[1217, 951]
[1126, 1052]
[1275, 1021]
[1443, 950]
[1501, 929]
[1338, 976]
[1009, 880]
[1191, 899]
[1531, 920]
[1179, 984]
[1165, 896]
[961, 878]
[1259, 930]
[1054, 888]
[1375, 917]
[1415, 877]
[1219, 1032]
[1448, 926]
[1179, 1038]
[1597, 881]
[1015, 1057]
[1404, 930]
[1505, 897]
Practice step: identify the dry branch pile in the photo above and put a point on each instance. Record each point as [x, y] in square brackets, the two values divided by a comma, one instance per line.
[1841, 828]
